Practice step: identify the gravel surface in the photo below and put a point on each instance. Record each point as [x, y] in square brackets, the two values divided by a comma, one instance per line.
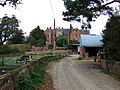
[72, 74]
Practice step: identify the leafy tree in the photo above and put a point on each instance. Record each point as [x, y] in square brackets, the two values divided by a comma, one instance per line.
[37, 37]
[61, 41]
[86, 11]
[8, 28]
[17, 37]
[111, 38]
[10, 2]
[73, 41]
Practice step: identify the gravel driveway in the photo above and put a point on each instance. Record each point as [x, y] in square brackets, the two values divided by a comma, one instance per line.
[71, 74]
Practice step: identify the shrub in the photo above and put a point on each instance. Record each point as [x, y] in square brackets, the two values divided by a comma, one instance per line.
[14, 48]
[50, 46]
[80, 58]
[37, 77]
[61, 48]
[5, 49]
[26, 83]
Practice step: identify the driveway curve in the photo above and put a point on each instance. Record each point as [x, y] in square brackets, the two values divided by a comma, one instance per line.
[72, 74]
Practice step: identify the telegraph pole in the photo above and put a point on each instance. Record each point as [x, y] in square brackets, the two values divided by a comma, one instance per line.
[54, 38]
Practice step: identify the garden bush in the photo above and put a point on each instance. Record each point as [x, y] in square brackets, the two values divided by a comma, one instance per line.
[61, 48]
[14, 48]
[50, 46]
[5, 49]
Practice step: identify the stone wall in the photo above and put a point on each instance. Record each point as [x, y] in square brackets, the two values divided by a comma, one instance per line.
[111, 66]
[9, 81]
[46, 51]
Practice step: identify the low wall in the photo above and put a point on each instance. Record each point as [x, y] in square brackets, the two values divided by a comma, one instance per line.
[10, 80]
[46, 51]
[111, 66]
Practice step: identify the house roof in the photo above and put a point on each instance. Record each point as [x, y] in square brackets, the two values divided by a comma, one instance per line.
[66, 31]
[91, 40]
[53, 31]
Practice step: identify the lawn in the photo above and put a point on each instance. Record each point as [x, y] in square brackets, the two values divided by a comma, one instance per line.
[11, 60]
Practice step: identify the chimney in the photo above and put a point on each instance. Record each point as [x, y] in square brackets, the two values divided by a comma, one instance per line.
[71, 28]
[82, 27]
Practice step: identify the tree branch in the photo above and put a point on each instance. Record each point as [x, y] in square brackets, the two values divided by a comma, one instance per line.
[102, 6]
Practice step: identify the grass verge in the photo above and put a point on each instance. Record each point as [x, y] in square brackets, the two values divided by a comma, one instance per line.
[11, 60]
[111, 74]
[80, 58]
[29, 81]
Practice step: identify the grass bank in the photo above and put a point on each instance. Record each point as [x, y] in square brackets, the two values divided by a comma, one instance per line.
[111, 74]
[29, 81]
[11, 60]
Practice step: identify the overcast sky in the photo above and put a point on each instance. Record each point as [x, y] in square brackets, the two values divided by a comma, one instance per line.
[38, 12]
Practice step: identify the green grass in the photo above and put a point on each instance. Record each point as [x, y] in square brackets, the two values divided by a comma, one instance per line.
[11, 60]
[80, 58]
[20, 47]
[111, 74]
[34, 57]
[9, 66]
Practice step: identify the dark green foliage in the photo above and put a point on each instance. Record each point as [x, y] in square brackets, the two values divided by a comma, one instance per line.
[61, 41]
[14, 48]
[9, 29]
[73, 42]
[111, 38]
[84, 10]
[17, 37]
[80, 58]
[12, 3]
[50, 46]
[26, 83]
[38, 77]
[37, 37]
[5, 49]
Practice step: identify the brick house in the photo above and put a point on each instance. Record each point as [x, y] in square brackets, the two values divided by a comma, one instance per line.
[48, 35]
[75, 35]
[70, 33]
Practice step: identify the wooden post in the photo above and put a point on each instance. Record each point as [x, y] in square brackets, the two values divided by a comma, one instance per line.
[3, 61]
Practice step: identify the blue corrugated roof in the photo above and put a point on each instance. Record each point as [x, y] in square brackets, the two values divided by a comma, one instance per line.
[91, 41]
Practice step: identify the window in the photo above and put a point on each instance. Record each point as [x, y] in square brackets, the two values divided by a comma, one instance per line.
[47, 36]
[75, 35]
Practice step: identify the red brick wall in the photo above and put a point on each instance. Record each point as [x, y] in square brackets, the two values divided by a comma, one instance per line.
[82, 51]
[40, 48]
[50, 38]
[75, 32]
[48, 33]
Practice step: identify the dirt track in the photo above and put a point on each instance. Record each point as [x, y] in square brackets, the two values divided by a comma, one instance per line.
[71, 74]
